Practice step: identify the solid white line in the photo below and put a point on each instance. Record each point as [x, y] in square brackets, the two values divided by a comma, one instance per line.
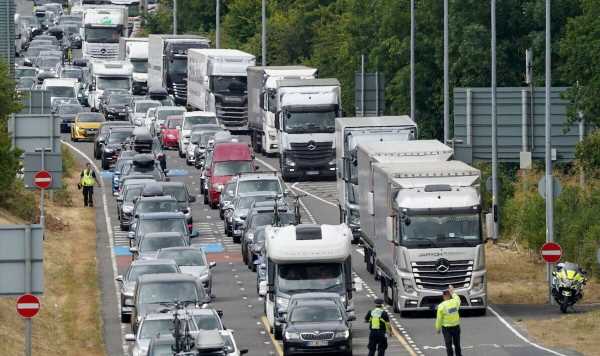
[520, 336]
[313, 196]
[266, 164]
[28, 306]
[108, 231]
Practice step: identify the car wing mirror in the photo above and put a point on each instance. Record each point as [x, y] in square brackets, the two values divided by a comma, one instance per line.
[130, 337]
[212, 264]
[119, 278]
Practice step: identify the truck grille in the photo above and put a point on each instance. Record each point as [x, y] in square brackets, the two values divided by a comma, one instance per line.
[440, 274]
[103, 53]
[312, 150]
[231, 115]
[328, 335]
[180, 90]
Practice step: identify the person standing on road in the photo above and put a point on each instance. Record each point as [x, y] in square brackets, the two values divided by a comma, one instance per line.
[86, 183]
[448, 321]
[379, 325]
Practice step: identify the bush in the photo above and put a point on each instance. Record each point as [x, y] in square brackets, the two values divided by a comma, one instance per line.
[20, 201]
[68, 161]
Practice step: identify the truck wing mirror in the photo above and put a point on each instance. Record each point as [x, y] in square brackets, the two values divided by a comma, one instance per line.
[277, 123]
[389, 228]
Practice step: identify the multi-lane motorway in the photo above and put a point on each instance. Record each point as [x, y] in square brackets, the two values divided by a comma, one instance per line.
[234, 285]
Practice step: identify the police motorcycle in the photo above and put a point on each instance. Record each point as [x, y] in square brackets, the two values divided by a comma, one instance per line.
[567, 284]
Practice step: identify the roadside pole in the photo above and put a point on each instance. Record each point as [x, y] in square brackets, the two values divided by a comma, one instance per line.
[495, 211]
[42, 191]
[174, 17]
[412, 60]
[548, 145]
[218, 25]
[446, 75]
[28, 284]
[362, 85]
[264, 33]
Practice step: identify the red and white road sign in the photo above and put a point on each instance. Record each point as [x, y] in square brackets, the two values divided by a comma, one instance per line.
[551, 252]
[28, 305]
[42, 179]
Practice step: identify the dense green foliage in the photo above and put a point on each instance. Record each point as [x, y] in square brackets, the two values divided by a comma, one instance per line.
[332, 34]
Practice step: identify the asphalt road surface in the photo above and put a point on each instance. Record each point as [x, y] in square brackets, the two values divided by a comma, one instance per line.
[234, 285]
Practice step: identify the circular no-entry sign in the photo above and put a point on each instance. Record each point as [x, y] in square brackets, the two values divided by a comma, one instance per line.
[42, 179]
[28, 305]
[551, 252]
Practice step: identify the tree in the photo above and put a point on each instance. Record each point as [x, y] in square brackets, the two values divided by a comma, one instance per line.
[9, 155]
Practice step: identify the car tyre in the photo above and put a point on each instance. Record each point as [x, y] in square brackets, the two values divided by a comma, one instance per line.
[278, 332]
[105, 165]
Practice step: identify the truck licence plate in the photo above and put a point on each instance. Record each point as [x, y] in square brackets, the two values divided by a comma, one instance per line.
[317, 343]
[312, 173]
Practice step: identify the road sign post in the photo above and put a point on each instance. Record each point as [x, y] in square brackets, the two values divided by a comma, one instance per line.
[42, 180]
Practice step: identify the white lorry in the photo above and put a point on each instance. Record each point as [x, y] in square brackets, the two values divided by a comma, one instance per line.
[217, 82]
[135, 51]
[427, 226]
[262, 103]
[103, 25]
[349, 133]
[167, 60]
[134, 13]
[305, 124]
[305, 258]
[108, 75]
[370, 154]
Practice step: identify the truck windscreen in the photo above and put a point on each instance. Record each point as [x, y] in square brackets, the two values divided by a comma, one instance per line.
[296, 122]
[229, 85]
[442, 229]
[139, 66]
[102, 34]
[104, 83]
[306, 277]
[178, 66]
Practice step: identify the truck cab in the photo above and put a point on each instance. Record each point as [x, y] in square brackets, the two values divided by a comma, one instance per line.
[349, 133]
[102, 28]
[108, 75]
[137, 54]
[305, 124]
[428, 234]
[305, 258]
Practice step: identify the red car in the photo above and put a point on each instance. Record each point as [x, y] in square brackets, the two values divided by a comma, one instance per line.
[228, 159]
[169, 135]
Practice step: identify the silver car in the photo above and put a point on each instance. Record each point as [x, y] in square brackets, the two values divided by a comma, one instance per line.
[152, 325]
[191, 260]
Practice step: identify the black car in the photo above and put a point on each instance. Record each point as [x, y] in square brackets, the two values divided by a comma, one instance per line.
[113, 144]
[102, 134]
[107, 93]
[67, 113]
[116, 107]
[319, 326]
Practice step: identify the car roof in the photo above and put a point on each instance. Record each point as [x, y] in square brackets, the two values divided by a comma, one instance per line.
[194, 248]
[156, 198]
[166, 277]
[257, 176]
[162, 235]
[147, 101]
[115, 123]
[257, 194]
[161, 215]
[202, 311]
[316, 302]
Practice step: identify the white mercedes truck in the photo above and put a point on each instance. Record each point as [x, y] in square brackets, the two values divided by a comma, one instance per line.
[428, 234]
[305, 124]
[372, 153]
[103, 26]
[217, 82]
[306, 258]
[135, 51]
[262, 103]
[167, 59]
[349, 133]
[105, 75]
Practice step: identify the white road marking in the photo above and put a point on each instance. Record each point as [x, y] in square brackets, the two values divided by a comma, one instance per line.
[313, 196]
[108, 231]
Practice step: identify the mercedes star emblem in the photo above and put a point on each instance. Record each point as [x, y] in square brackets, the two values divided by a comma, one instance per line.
[311, 146]
[442, 265]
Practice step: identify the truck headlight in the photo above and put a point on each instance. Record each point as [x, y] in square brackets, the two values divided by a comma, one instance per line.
[292, 335]
[478, 284]
[250, 236]
[332, 162]
[342, 334]
[282, 303]
[408, 285]
[289, 162]
[127, 209]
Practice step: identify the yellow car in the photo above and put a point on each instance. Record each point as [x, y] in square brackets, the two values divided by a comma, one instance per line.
[86, 126]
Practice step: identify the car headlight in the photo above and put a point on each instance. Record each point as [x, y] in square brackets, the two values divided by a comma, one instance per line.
[250, 236]
[127, 209]
[408, 285]
[342, 334]
[292, 335]
[478, 284]
[289, 162]
[282, 303]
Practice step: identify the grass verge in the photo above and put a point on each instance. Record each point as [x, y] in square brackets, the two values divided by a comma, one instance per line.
[69, 322]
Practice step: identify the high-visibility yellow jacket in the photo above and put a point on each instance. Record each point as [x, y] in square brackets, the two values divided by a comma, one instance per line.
[447, 313]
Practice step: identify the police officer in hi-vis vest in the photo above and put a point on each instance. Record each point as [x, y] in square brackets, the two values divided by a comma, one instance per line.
[87, 182]
[379, 325]
[448, 321]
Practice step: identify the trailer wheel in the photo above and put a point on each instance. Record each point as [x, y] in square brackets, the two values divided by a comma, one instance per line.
[386, 293]
[395, 300]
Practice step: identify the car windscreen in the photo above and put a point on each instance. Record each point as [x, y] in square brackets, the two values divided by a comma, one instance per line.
[155, 243]
[173, 123]
[152, 328]
[132, 193]
[48, 62]
[141, 270]
[70, 109]
[184, 257]
[206, 322]
[156, 206]
[259, 185]
[71, 73]
[143, 107]
[113, 83]
[198, 120]
[91, 117]
[316, 313]
[139, 66]
[168, 292]
[117, 99]
[263, 219]
[161, 115]
[246, 202]
[231, 168]
[118, 136]
[176, 191]
[60, 91]
[163, 225]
